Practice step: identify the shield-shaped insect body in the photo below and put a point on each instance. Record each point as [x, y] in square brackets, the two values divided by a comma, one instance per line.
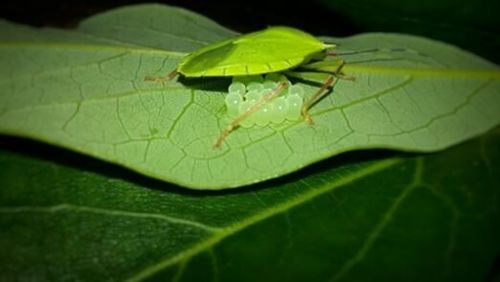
[273, 50]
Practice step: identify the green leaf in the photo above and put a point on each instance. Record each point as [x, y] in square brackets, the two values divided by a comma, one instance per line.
[399, 218]
[156, 26]
[85, 90]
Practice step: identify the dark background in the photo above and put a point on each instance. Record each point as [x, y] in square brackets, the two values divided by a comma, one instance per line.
[473, 25]
[242, 16]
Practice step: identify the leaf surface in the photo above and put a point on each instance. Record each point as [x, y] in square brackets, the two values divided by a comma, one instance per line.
[85, 90]
[399, 218]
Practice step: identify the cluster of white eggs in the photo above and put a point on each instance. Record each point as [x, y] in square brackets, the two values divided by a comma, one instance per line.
[245, 91]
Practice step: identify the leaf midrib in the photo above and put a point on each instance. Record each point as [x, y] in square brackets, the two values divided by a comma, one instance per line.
[230, 230]
[110, 212]
[218, 233]
[424, 72]
[355, 68]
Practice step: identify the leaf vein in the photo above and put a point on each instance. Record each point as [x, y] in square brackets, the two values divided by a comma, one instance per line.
[385, 220]
[258, 217]
[103, 211]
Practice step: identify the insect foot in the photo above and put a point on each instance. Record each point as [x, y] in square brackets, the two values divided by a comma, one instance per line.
[169, 76]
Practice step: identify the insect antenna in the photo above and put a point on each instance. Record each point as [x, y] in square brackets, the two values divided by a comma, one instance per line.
[391, 54]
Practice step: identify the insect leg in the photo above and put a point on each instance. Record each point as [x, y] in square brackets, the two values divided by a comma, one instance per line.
[329, 83]
[237, 121]
[330, 67]
[331, 54]
[169, 76]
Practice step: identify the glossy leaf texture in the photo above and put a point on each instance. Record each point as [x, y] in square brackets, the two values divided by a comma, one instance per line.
[85, 90]
[400, 218]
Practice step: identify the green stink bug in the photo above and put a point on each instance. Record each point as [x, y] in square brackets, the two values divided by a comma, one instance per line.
[276, 49]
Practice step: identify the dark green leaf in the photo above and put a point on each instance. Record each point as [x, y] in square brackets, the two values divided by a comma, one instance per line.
[402, 218]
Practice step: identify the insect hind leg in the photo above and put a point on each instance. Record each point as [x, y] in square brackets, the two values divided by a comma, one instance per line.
[329, 83]
[235, 123]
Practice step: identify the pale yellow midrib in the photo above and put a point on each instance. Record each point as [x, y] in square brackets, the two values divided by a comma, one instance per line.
[349, 68]
[421, 72]
[267, 213]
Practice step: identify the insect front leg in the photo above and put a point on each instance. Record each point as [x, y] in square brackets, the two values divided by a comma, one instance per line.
[239, 119]
[329, 83]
